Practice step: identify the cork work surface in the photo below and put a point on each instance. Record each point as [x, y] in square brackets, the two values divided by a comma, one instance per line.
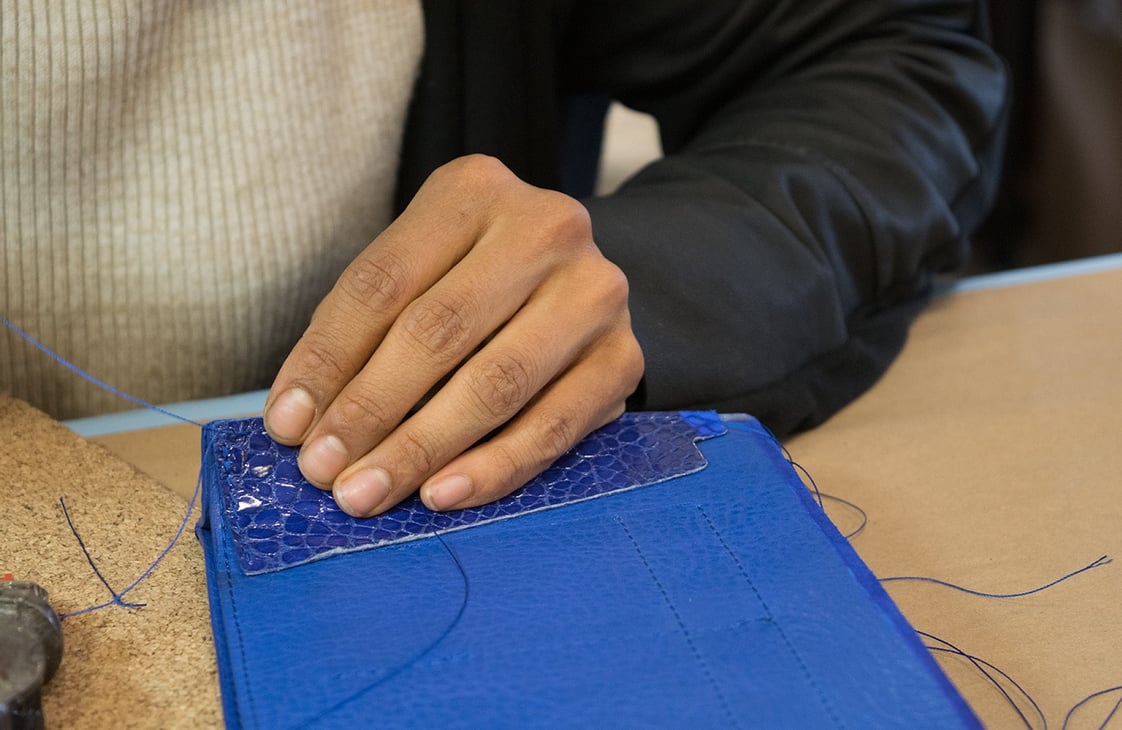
[147, 667]
[988, 457]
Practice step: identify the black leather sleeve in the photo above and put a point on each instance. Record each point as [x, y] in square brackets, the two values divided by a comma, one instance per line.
[823, 160]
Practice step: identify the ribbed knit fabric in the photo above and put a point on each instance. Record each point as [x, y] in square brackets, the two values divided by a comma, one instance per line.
[181, 181]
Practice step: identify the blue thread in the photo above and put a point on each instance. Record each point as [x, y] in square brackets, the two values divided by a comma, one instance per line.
[978, 662]
[118, 596]
[818, 494]
[790, 460]
[864, 515]
[1114, 710]
[1104, 560]
[813, 484]
[1088, 698]
[421, 654]
[86, 376]
[89, 558]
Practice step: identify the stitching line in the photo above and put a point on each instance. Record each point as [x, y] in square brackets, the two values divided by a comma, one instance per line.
[678, 618]
[448, 658]
[778, 626]
[252, 704]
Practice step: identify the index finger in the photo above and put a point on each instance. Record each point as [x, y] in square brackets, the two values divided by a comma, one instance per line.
[404, 261]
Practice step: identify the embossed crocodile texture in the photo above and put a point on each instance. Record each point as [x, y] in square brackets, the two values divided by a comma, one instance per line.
[279, 520]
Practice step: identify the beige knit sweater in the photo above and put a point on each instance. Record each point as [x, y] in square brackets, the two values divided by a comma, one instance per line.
[181, 181]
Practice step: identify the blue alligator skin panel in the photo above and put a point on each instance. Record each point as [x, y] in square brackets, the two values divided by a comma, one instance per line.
[279, 520]
[720, 598]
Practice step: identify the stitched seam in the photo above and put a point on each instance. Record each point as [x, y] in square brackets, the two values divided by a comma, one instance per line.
[499, 653]
[219, 477]
[778, 627]
[678, 618]
[241, 648]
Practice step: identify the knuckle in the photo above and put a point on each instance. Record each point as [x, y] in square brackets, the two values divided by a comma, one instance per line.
[509, 464]
[562, 220]
[324, 358]
[437, 326]
[637, 367]
[374, 281]
[419, 452]
[632, 363]
[614, 285]
[480, 166]
[556, 432]
[507, 470]
[474, 169]
[604, 289]
[362, 412]
[501, 386]
[467, 188]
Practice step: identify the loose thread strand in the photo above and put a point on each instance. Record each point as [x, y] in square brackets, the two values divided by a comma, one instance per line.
[864, 515]
[819, 495]
[790, 460]
[91, 378]
[1111, 715]
[1088, 698]
[1104, 560]
[174, 539]
[978, 663]
[90, 560]
[813, 484]
[118, 596]
[428, 649]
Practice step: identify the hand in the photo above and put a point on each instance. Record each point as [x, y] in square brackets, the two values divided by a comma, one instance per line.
[490, 295]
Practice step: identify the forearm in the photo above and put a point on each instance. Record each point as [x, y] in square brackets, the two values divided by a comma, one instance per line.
[778, 252]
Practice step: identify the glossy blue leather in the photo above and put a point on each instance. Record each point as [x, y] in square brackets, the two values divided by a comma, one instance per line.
[279, 520]
[720, 598]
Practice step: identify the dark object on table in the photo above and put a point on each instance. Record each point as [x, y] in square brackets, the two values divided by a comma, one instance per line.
[30, 652]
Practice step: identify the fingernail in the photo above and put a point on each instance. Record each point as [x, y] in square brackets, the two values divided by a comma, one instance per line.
[447, 492]
[323, 459]
[362, 492]
[290, 415]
